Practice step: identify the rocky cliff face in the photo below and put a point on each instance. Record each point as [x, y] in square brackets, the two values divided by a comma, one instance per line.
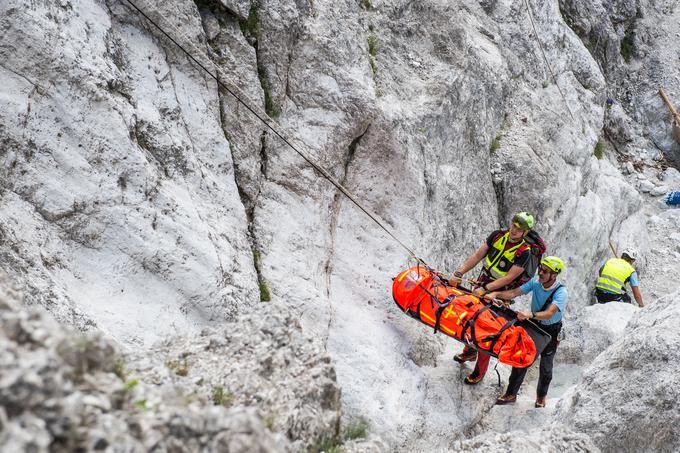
[617, 403]
[139, 198]
[64, 391]
[117, 179]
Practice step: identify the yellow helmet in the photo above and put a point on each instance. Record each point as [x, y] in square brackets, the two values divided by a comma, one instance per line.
[553, 263]
[524, 220]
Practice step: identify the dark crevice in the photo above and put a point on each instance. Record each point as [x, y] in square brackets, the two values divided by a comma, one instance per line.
[250, 214]
[247, 203]
[216, 7]
[595, 33]
[263, 160]
[250, 29]
[499, 190]
[337, 198]
[669, 157]
[335, 213]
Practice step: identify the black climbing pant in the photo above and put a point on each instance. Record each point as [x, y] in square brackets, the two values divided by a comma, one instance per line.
[545, 367]
[603, 297]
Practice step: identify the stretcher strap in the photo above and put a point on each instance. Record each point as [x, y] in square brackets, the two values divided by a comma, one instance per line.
[440, 310]
[495, 337]
[471, 325]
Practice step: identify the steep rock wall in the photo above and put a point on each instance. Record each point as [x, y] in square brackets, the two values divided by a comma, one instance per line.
[617, 403]
[441, 117]
[119, 207]
[67, 391]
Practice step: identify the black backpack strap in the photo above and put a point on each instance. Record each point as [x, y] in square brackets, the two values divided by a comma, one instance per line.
[549, 300]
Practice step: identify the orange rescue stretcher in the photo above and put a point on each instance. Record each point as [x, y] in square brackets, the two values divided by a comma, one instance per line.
[488, 327]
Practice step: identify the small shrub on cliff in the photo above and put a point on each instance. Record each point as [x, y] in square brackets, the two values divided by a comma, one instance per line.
[180, 367]
[372, 45]
[356, 429]
[119, 368]
[220, 397]
[599, 149]
[129, 385]
[495, 144]
[142, 405]
[250, 27]
[628, 50]
[265, 295]
[329, 445]
[270, 422]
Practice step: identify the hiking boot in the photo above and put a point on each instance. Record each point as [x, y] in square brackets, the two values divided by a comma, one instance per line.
[540, 402]
[466, 356]
[506, 399]
[471, 379]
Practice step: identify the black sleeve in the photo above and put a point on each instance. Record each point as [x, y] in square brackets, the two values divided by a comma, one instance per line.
[492, 237]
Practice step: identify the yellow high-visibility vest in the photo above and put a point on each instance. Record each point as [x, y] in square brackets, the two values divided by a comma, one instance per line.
[615, 273]
[497, 262]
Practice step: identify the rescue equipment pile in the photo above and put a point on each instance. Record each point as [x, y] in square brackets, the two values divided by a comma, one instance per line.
[490, 328]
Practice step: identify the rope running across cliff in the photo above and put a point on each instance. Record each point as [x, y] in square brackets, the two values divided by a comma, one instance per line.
[263, 117]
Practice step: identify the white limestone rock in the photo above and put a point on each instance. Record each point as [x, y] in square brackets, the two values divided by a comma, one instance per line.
[178, 204]
[555, 438]
[271, 365]
[671, 177]
[617, 403]
[120, 187]
[646, 186]
[265, 387]
[658, 191]
[592, 330]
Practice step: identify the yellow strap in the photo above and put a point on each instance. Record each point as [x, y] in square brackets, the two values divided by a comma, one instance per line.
[428, 318]
[402, 275]
[460, 318]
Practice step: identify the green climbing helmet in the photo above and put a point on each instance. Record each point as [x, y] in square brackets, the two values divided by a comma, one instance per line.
[524, 220]
[553, 263]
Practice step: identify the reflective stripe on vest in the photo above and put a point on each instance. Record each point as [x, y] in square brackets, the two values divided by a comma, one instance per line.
[614, 275]
[491, 266]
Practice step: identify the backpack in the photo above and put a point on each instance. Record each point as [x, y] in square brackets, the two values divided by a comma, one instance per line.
[538, 247]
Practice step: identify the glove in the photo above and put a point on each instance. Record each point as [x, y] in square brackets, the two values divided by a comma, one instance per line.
[456, 280]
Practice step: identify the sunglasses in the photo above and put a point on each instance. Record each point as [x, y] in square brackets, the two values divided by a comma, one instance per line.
[544, 269]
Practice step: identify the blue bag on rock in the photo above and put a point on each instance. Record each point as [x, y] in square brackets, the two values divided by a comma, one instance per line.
[673, 198]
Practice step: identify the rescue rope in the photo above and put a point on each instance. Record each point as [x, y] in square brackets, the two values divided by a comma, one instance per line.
[263, 117]
[545, 59]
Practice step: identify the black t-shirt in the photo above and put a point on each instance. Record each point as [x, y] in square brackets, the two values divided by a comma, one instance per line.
[521, 259]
